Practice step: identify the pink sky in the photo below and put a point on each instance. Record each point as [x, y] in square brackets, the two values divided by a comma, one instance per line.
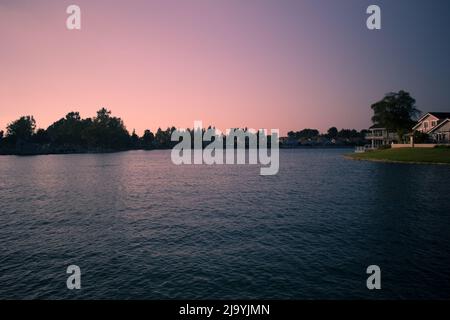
[162, 63]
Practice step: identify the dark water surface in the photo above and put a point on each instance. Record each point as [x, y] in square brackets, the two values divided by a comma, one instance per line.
[140, 227]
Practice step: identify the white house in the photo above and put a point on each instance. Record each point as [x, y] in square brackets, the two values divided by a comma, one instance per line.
[380, 136]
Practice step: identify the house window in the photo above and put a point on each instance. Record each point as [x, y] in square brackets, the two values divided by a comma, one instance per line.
[425, 125]
[433, 123]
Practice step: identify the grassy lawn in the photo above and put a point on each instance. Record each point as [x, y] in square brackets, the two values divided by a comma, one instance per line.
[424, 155]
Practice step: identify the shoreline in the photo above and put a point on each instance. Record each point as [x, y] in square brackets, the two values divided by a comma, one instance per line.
[350, 157]
[437, 155]
[31, 154]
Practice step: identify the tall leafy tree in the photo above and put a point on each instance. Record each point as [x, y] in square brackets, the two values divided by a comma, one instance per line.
[108, 132]
[397, 111]
[332, 132]
[147, 139]
[21, 129]
[68, 130]
[134, 140]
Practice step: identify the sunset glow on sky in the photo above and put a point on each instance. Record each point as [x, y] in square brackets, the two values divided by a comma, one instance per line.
[261, 64]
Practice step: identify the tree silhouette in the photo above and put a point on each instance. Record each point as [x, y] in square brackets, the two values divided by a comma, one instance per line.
[106, 133]
[40, 137]
[69, 130]
[147, 139]
[396, 111]
[303, 134]
[135, 141]
[332, 132]
[21, 129]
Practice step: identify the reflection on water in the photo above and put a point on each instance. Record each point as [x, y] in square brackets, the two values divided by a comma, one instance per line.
[140, 227]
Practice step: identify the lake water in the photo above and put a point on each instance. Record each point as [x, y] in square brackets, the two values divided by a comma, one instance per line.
[142, 228]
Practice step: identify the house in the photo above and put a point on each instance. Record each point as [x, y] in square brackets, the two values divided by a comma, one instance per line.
[441, 132]
[380, 136]
[429, 120]
[436, 125]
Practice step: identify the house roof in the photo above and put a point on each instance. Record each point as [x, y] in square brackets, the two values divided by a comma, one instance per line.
[376, 126]
[439, 125]
[439, 115]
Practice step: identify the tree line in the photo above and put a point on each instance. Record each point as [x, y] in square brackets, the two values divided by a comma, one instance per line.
[72, 134]
[101, 133]
[107, 133]
[332, 133]
[396, 112]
